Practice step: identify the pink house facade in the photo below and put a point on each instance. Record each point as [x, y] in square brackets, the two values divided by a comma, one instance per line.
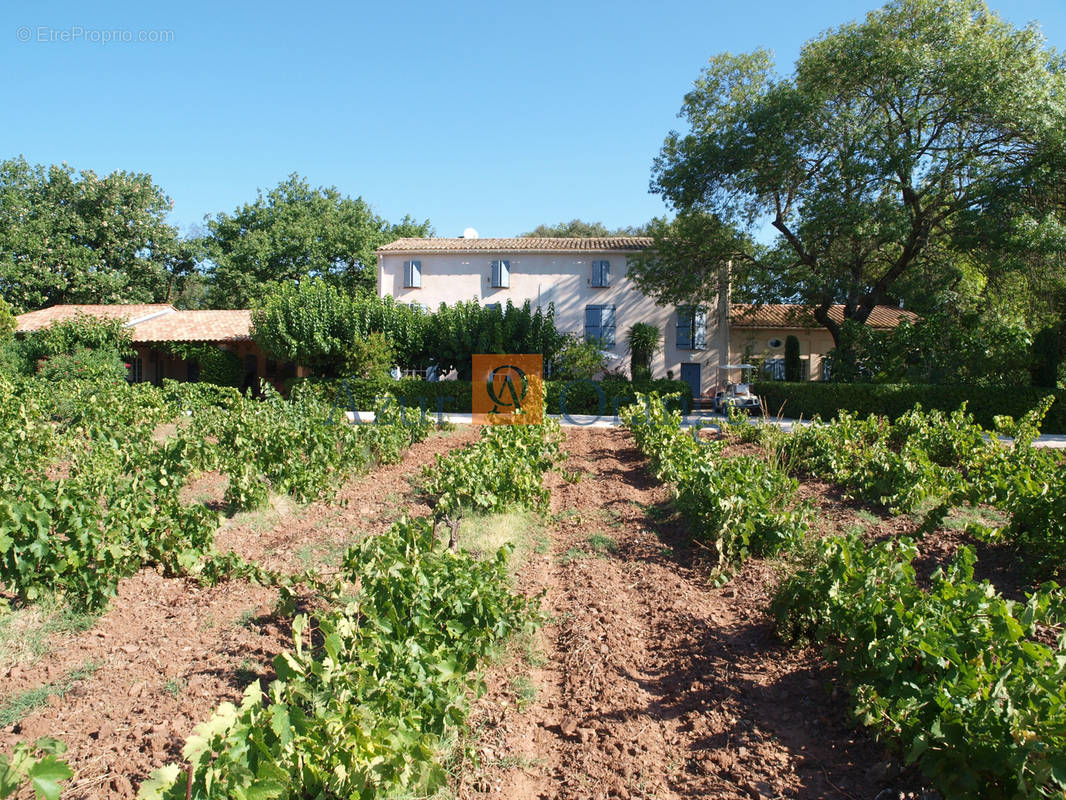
[587, 282]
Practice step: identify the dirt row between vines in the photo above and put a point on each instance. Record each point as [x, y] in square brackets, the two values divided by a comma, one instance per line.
[167, 651]
[650, 682]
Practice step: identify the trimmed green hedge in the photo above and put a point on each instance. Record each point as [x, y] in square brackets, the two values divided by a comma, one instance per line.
[893, 400]
[581, 397]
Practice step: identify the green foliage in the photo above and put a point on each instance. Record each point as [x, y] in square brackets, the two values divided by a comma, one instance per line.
[944, 348]
[577, 359]
[367, 710]
[8, 323]
[370, 358]
[88, 495]
[82, 332]
[82, 365]
[217, 366]
[793, 367]
[962, 680]
[643, 343]
[458, 331]
[431, 397]
[69, 237]
[1047, 353]
[501, 470]
[578, 229]
[741, 505]
[116, 508]
[297, 446]
[868, 159]
[36, 766]
[295, 231]
[316, 325]
[985, 403]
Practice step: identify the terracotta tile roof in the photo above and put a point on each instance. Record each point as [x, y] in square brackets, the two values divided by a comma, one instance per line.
[521, 244]
[45, 317]
[793, 316]
[154, 322]
[196, 326]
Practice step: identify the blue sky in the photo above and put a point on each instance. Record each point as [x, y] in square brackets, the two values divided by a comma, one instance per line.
[499, 116]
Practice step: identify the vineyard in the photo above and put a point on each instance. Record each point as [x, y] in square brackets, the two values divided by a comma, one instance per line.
[968, 684]
[701, 615]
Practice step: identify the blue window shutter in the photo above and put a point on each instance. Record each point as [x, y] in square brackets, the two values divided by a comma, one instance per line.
[415, 276]
[592, 322]
[684, 328]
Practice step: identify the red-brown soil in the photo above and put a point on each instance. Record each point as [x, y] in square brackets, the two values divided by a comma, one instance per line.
[167, 652]
[653, 682]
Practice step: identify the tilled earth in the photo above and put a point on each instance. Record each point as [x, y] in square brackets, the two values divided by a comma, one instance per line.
[651, 682]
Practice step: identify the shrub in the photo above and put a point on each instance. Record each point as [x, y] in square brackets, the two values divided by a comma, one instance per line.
[643, 342]
[808, 399]
[793, 367]
[577, 359]
[217, 366]
[604, 397]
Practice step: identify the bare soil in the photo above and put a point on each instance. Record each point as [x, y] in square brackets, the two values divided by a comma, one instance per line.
[652, 682]
[167, 651]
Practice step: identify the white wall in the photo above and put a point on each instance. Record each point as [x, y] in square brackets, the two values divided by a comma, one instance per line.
[564, 279]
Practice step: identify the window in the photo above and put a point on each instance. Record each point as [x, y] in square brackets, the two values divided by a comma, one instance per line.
[418, 307]
[501, 274]
[136, 373]
[691, 328]
[774, 368]
[493, 306]
[775, 343]
[601, 273]
[599, 324]
[412, 274]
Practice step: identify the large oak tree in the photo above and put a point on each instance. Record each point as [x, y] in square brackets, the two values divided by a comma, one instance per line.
[69, 237]
[893, 141]
[294, 231]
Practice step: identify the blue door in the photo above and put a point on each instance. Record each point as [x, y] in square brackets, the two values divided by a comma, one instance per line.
[690, 374]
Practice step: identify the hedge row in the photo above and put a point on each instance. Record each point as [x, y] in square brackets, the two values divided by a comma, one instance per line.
[893, 400]
[578, 397]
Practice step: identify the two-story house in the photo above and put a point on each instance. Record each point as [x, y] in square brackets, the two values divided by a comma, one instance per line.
[588, 283]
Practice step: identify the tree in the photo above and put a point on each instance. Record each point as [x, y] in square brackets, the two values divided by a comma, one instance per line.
[577, 229]
[642, 340]
[315, 324]
[866, 161]
[69, 237]
[793, 368]
[458, 331]
[293, 232]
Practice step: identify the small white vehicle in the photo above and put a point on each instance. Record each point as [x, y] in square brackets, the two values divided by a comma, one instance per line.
[730, 394]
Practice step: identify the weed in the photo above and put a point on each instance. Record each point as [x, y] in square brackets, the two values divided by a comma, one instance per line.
[573, 554]
[525, 691]
[174, 686]
[19, 705]
[602, 544]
